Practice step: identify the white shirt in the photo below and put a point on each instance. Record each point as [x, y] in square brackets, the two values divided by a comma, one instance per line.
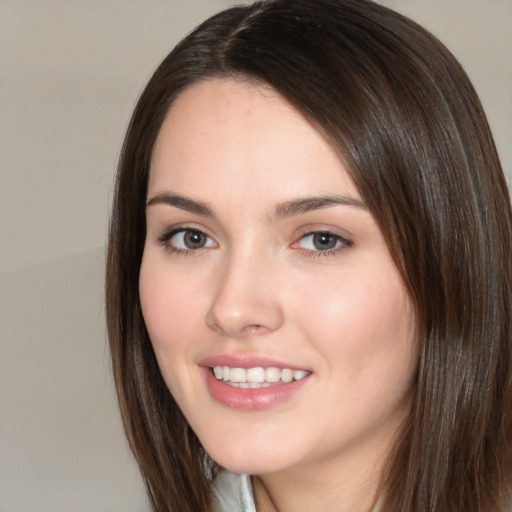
[233, 493]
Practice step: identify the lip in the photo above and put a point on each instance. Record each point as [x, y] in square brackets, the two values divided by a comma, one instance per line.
[246, 362]
[249, 399]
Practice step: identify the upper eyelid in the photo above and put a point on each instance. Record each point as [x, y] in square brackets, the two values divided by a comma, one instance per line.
[172, 230]
[319, 228]
[164, 236]
[343, 239]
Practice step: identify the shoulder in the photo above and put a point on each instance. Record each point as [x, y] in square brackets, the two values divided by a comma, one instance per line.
[233, 493]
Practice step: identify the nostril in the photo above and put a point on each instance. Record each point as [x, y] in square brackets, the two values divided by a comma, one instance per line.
[237, 311]
[252, 329]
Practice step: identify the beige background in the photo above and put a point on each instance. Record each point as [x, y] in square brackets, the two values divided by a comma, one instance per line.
[70, 72]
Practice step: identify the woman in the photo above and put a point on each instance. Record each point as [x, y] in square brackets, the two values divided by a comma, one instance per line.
[309, 276]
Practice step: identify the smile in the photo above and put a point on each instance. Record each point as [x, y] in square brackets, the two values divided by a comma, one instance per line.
[257, 377]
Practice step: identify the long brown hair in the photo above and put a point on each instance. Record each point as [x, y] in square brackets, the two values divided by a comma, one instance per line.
[404, 118]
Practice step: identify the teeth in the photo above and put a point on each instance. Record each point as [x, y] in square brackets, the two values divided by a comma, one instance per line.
[237, 375]
[300, 374]
[287, 375]
[257, 377]
[272, 374]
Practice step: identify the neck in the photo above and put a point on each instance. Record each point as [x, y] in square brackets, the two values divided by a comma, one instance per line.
[280, 494]
[345, 484]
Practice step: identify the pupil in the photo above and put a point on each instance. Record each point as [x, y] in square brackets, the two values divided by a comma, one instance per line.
[324, 241]
[194, 239]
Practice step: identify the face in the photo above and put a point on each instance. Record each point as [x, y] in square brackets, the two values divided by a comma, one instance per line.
[279, 321]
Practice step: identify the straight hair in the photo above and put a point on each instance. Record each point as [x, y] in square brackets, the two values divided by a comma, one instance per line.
[405, 120]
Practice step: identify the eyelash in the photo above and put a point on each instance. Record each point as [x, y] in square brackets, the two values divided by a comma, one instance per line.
[166, 237]
[341, 242]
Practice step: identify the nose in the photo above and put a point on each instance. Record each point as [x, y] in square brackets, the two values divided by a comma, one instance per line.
[246, 299]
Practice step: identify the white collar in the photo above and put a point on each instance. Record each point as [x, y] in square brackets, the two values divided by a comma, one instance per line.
[233, 493]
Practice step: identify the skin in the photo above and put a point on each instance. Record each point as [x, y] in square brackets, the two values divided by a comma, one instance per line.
[259, 286]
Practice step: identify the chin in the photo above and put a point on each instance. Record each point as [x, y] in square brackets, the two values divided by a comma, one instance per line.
[256, 461]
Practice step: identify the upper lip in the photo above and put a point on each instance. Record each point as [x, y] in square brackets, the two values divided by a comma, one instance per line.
[239, 361]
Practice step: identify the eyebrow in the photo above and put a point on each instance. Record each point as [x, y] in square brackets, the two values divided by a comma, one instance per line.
[286, 209]
[306, 204]
[184, 203]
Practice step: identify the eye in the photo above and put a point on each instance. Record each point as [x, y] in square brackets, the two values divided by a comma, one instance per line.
[183, 239]
[322, 241]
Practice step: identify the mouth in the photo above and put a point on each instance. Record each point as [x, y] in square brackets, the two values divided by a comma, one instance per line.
[257, 377]
[252, 383]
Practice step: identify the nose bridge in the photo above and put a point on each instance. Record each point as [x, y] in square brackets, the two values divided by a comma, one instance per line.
[246, 300]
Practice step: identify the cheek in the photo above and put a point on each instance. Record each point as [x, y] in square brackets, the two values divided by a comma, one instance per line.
[365, 333]
[362, 320]
[169, 303]
[169, 307]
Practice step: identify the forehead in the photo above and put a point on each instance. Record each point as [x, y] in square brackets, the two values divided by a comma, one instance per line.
[235, 133]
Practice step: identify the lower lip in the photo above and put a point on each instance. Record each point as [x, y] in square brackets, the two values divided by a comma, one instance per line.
[249, 399]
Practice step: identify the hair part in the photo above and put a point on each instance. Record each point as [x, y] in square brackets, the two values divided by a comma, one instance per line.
[405, 119]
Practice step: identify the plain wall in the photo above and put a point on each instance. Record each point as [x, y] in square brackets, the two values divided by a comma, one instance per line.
[70, 73]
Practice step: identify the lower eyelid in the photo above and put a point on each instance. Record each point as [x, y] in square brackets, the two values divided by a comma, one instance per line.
[321, 254]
